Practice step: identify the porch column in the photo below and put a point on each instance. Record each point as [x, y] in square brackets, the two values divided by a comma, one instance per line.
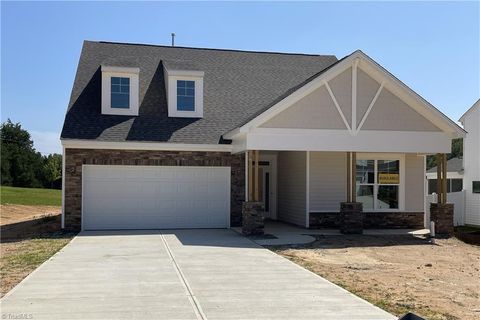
[441, 213]
[351, 215]
[253, 210]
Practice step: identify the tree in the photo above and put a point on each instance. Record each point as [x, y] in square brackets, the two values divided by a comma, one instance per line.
[52, 169]
[21, 164]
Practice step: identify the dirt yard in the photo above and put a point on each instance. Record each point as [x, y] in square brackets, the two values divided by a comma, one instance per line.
[29, 236]
[13, 213]
[437, 279]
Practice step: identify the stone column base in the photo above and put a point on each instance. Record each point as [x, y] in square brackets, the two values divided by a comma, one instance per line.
[351, 218]
[253, 215]
[442, 215]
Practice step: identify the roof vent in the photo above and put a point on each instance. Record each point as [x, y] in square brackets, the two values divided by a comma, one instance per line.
[173, 39]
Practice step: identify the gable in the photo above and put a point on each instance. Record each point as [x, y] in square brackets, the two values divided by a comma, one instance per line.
[354, 100]
[391, 113]
[315, 111]
[367, 88]
[341, 87]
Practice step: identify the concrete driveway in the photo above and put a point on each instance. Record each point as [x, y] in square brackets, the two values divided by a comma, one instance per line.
[181, 274]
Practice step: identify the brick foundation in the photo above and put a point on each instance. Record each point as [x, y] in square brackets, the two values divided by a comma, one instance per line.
[253, 216]
[351, 218]
[371, 220]
[75, 158]
[442, 215]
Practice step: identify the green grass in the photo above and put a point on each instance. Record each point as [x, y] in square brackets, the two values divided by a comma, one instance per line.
[30, 196]
[21, 258]
[34, 252]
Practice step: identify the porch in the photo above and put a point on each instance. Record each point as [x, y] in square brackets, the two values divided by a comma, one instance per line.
[350, 147]
[307, 189]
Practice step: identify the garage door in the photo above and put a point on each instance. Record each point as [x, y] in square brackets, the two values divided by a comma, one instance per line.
[147, 197]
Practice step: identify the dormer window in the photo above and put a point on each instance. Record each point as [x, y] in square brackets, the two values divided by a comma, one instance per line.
[185, 95]
[120, 90]
[184, 90]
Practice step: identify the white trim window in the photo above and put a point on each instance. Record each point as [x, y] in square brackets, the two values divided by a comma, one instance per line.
[184, 93]
[120, 90]
[380, 182]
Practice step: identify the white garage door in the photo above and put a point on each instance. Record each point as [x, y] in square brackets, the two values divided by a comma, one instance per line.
[147, 197]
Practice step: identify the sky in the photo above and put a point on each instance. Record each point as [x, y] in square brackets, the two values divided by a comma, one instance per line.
[433, 47]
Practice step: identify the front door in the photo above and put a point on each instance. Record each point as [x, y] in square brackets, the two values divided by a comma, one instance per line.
[268, 186]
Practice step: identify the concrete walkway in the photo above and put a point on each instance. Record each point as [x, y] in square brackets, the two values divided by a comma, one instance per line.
[182, 274]
[287, 234]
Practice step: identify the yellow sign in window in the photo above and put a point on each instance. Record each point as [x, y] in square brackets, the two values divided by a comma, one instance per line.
[389, 178]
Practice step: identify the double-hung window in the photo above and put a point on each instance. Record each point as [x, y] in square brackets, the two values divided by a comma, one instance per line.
[185, 95]
[378, 184]
[120, 92]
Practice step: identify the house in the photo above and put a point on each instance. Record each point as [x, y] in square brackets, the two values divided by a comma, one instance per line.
[471, 155]
[175, 137]
[454, 176]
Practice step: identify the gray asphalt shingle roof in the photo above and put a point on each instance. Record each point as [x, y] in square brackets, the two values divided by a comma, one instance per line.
[238, 85]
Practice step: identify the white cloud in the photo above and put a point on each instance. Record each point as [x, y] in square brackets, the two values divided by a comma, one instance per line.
[46, 142]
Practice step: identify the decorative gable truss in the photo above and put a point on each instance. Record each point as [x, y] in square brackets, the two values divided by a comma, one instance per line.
[356, 105]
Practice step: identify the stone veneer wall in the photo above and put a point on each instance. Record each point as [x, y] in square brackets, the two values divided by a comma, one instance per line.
[371, 220]
[75, 158]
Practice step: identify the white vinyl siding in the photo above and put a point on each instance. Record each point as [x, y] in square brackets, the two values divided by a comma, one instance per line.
[328, 181]
[292, 187]
[414, 182]
[472, 165]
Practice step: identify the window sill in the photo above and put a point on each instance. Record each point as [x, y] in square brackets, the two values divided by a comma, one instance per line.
[120, 112]
[185, 114]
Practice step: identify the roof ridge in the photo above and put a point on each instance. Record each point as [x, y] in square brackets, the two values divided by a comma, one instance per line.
[213, 49]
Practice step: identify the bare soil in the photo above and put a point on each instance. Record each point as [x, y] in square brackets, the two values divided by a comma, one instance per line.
[437, 279]
[12, 213]
[30, 235]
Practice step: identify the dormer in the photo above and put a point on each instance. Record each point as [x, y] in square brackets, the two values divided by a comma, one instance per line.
[120, 90]
[184, 87]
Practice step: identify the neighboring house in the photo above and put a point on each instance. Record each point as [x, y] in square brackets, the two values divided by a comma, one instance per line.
[471, 155]
[156, 137]
[454, 176]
